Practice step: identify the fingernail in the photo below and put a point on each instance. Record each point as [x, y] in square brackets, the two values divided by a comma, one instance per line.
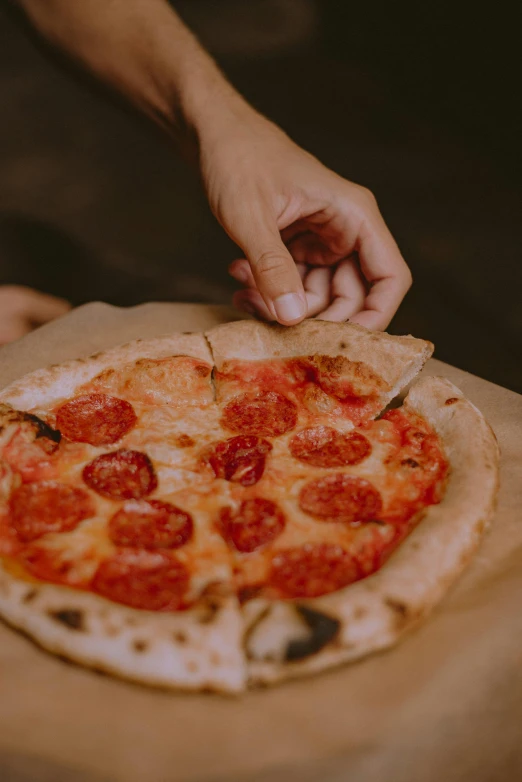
[289, 306]
[241, 275]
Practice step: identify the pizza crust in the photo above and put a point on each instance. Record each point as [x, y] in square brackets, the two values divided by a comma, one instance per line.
[387, 361]
[192, 650]
[374, 613]
[46, 387]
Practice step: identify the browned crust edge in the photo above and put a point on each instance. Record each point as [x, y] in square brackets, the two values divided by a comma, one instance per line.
[375, 613]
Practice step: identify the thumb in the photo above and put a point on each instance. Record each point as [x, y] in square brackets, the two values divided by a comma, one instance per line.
[275, 274]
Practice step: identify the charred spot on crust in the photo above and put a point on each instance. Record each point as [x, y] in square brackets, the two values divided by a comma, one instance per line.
[481, 526]
[43, 429]
[409, 463]
[30, 596]
[451, 400]
[342, 345]
[216, 589]
[323, 629]
[98, 671]
[70, 617]
[140, 646]
[398, 606]
[249, 592]
[210, 609]
[403, 614]
[184, 441]
[180, 638]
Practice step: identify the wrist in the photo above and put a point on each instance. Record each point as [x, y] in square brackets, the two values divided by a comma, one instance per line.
[209, 107]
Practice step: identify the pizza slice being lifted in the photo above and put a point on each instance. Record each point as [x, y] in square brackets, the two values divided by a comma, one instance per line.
[213, 511]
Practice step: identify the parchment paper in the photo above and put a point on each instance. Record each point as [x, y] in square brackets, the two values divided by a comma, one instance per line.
[446, 704]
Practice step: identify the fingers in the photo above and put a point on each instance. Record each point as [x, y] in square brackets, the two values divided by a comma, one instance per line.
[382, 303]
[273, 270]
[348, 292]
[317, 289]
[22, 309]
[240, 270]
[41, 308]
[251, 301]
[12, 329]
[368, 292]
[309, 248]
[385, 269]
[316, 285]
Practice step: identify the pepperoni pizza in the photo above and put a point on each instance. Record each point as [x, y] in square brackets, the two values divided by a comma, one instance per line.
[220, 510]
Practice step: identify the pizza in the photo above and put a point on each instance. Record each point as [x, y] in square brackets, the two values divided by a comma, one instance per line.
[223, 510]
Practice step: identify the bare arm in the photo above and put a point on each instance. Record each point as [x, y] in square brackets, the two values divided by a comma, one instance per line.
[313, 242]
[143, 50]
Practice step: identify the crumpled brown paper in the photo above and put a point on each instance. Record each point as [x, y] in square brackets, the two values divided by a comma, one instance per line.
[446, 704]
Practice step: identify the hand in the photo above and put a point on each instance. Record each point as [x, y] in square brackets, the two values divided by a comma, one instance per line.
[315, 244]
[22, 309]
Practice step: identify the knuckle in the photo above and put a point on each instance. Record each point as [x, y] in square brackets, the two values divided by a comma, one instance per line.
[367, 198]
[270, 263]
[407, 278]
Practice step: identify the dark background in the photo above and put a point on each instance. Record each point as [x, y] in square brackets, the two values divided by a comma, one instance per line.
[417, 102]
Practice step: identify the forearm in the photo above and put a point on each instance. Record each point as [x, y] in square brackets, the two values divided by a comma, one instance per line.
[142, 49]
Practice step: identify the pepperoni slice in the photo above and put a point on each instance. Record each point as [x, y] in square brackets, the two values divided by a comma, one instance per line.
[121, 475]
[256, 523]
[151, 580]
[322, 446]
[58, 566]
[265, 413]
[46, 564]
[150, 524]
[312, 570]
[97, 419]
[341, 497]
[47, 506]
[240, 459]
